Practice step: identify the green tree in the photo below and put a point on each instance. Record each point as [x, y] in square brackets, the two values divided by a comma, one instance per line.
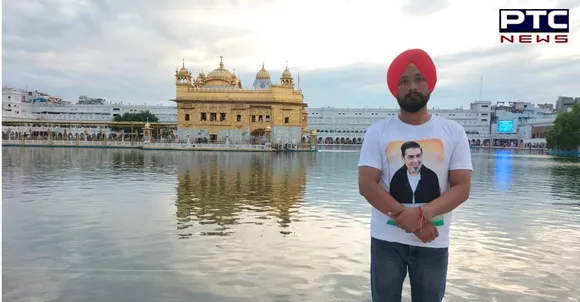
[141, 116]
[565, 135]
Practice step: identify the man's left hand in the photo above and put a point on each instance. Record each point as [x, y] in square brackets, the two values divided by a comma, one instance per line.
[408, 219]
[428, 233]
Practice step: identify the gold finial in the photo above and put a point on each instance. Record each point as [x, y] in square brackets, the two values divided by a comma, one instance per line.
[221, 61]
[183, 63]
[263, 65]
[286, 64]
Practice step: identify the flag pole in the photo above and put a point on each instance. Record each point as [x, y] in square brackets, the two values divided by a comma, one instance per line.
[299, 80]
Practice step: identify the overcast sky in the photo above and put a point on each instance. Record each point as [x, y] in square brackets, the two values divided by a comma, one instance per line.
[127, 50]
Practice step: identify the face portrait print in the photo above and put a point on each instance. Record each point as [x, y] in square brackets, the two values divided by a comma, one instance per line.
[415, 165]
[412, 157]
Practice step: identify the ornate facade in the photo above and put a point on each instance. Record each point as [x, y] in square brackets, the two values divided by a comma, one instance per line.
[216, 107]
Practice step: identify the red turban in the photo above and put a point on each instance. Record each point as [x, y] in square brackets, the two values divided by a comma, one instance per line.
[419, 58]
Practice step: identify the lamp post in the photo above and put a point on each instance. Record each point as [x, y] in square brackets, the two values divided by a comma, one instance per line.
[147, 130]
[49, 132]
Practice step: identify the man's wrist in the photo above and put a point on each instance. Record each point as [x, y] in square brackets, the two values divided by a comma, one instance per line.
[428, 212]
[400, 209]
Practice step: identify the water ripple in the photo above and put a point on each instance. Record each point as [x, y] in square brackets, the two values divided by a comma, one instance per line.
[81, 224]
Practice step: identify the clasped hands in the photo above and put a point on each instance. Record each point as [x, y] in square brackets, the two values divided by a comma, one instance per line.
[408, 220]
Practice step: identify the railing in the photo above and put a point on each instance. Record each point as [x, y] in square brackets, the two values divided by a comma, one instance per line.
[146, 145]
[127, 144]
[130, 144]
[205, 146]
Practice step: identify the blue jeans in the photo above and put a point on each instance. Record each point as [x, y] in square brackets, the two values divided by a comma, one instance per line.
[389, 264]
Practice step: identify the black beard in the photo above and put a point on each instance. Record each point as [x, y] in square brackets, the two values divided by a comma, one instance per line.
[413, 101]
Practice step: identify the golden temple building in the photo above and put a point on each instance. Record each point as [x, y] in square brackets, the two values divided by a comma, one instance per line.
[217, 108]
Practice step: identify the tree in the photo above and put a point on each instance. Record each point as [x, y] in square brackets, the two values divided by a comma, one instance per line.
[141, 116]
[565, 136]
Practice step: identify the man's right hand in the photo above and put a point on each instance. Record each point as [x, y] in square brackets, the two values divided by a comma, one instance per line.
[428, 234]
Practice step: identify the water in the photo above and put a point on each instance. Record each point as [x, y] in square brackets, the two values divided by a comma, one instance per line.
[127, 225]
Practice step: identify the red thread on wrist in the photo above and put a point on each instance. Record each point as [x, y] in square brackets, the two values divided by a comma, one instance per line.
[421, 220]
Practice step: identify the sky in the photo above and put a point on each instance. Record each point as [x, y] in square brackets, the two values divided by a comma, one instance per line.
[127, 50]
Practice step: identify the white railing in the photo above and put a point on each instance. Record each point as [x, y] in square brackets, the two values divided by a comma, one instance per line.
[128, 144]
[71, 143]
[205, 146]
[145, 145]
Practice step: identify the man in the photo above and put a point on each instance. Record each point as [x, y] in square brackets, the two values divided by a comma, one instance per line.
[412, 235]
[413, 182]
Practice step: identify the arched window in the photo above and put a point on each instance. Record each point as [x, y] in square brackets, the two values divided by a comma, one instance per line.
[238, 118]
[186, 117]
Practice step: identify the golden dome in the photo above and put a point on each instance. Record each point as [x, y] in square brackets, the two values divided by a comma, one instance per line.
[313, 132]
[286, 73]
[263, 74]
[220, 73]
[268, 128]
[183, 70]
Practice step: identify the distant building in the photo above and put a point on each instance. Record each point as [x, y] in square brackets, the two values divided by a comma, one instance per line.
[280, 108]
[85, 100]
[40, 97]
[12, 103]
[349, 125]
[565, 102]
[527, 123]
[546, 106]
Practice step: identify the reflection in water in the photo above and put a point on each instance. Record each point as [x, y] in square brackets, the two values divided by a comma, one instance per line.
[503, 169]
[224, 189]
[566, 174]
[127, 160]
[94, 225]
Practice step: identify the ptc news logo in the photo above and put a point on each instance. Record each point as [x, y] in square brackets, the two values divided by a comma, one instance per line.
[534, 26]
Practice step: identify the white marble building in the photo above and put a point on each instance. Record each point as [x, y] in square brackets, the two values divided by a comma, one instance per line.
[350, 124]
[336, 125]
[14, 108]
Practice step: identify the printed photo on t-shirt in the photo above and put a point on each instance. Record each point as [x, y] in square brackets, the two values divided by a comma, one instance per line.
[416, 168]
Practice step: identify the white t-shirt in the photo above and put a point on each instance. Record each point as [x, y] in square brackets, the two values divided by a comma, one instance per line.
[443, 146]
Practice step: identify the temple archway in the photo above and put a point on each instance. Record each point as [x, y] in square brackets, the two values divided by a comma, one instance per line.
[258, 136]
